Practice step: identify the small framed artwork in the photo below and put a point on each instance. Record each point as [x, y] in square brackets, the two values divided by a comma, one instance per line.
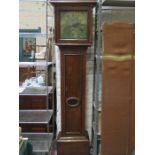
[29, 44]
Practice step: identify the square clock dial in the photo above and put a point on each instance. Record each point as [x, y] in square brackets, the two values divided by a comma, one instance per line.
[73, 25]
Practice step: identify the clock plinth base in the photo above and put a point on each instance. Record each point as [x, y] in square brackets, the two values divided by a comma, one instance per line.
[73, 145]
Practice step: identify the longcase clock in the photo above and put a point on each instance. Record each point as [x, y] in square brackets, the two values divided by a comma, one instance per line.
[73, 35]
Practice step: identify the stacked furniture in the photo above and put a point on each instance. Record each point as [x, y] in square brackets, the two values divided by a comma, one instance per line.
[37, 102]
[36, 115]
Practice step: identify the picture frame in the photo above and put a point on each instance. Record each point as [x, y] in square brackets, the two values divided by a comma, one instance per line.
[28, 46]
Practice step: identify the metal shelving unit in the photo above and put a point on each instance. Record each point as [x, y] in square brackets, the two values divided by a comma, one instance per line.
[32, 35]
[41, 141]
[35, 64]
[35, 116]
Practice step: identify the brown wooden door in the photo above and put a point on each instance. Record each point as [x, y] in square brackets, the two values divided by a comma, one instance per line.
[118, 90]
[73, 89]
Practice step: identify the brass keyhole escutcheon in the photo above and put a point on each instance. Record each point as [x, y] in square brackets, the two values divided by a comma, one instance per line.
[72, 101]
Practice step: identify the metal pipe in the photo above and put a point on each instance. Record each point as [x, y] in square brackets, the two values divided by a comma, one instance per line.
[97, 81]
[117, 8]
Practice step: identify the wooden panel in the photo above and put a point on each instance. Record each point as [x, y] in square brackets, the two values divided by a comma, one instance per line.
[73, 85]
[34, 128]
[32, 102]
[73, 145]
[78, 147]
[73, 79]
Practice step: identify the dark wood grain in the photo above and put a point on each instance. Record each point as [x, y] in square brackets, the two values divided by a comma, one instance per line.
[73, 145]
[34, 127]
[72, 139]
[33, 102]
[73, 85]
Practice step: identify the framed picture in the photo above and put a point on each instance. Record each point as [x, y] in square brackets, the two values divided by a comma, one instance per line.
[29, 45]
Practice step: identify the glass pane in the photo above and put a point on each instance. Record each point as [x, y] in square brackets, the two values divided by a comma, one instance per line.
[73, 25]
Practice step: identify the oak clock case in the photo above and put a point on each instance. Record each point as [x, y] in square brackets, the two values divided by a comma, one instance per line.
[73, 35]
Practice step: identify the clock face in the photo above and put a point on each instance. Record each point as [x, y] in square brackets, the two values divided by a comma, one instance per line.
[73, 25]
